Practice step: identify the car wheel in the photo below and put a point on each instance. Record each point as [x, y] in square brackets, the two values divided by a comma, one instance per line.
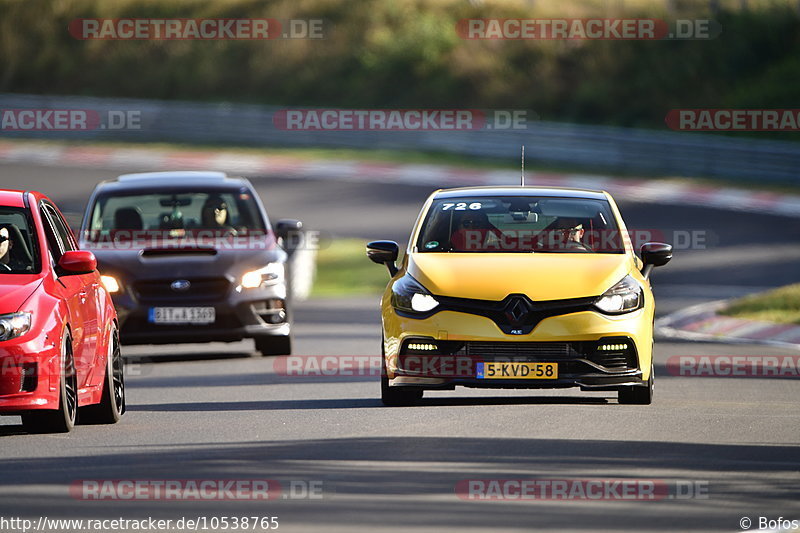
[112, 404]
[396, 396]
[60, 420]
[274, 345]
[638, 395]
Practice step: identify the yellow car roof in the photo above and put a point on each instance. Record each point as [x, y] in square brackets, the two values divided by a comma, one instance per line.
[562, 192]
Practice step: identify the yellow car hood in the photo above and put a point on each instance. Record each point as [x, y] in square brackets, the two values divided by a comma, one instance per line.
[542, 276]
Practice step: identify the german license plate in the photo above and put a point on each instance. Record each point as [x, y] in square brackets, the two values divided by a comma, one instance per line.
[182, 315]
[509, 370]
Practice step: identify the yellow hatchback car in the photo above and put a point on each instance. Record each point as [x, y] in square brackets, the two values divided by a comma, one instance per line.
[518, 287]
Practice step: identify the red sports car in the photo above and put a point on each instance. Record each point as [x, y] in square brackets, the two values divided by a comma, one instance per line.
[59, 344]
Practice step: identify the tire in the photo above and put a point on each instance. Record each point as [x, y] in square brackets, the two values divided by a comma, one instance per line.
[62, 419]
[638, 395]
[397, 396]
[274, 345]
[112, 403]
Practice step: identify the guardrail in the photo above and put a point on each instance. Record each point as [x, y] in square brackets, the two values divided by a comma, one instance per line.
[598, 148]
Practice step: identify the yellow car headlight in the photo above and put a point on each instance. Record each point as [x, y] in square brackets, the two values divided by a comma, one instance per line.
[409, 296]
[624, 297]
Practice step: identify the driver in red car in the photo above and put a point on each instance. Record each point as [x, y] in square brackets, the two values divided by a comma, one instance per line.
[5, 251]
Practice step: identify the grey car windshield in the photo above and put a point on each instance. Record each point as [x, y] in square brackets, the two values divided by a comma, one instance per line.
[176, 213]
[520, 224]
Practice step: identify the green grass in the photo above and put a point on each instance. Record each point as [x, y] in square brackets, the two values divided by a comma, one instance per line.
[344, 270]
[781, 306]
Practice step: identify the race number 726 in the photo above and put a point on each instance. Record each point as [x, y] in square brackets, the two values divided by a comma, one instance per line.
[461, 206]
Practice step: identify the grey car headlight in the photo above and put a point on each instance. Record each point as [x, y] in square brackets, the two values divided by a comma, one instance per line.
[624, 297]
[111, 283]
[269, 275]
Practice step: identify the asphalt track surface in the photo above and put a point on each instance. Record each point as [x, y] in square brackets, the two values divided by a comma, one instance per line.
[218, 411]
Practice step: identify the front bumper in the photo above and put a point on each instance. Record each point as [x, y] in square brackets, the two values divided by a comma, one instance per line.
[29, 374]
[577, 342]
[239, 314]
[588, 381]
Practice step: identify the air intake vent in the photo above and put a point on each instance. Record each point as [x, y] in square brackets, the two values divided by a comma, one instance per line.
[183, 251]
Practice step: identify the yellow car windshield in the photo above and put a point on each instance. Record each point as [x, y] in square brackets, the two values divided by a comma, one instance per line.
[517, 224]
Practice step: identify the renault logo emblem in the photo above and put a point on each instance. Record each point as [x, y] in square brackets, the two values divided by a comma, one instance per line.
[180, 285]
[516, 310]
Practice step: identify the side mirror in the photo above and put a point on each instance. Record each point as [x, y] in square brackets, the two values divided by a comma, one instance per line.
[384, 253]
[77, 262]
[655, 254]
[285, 226]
